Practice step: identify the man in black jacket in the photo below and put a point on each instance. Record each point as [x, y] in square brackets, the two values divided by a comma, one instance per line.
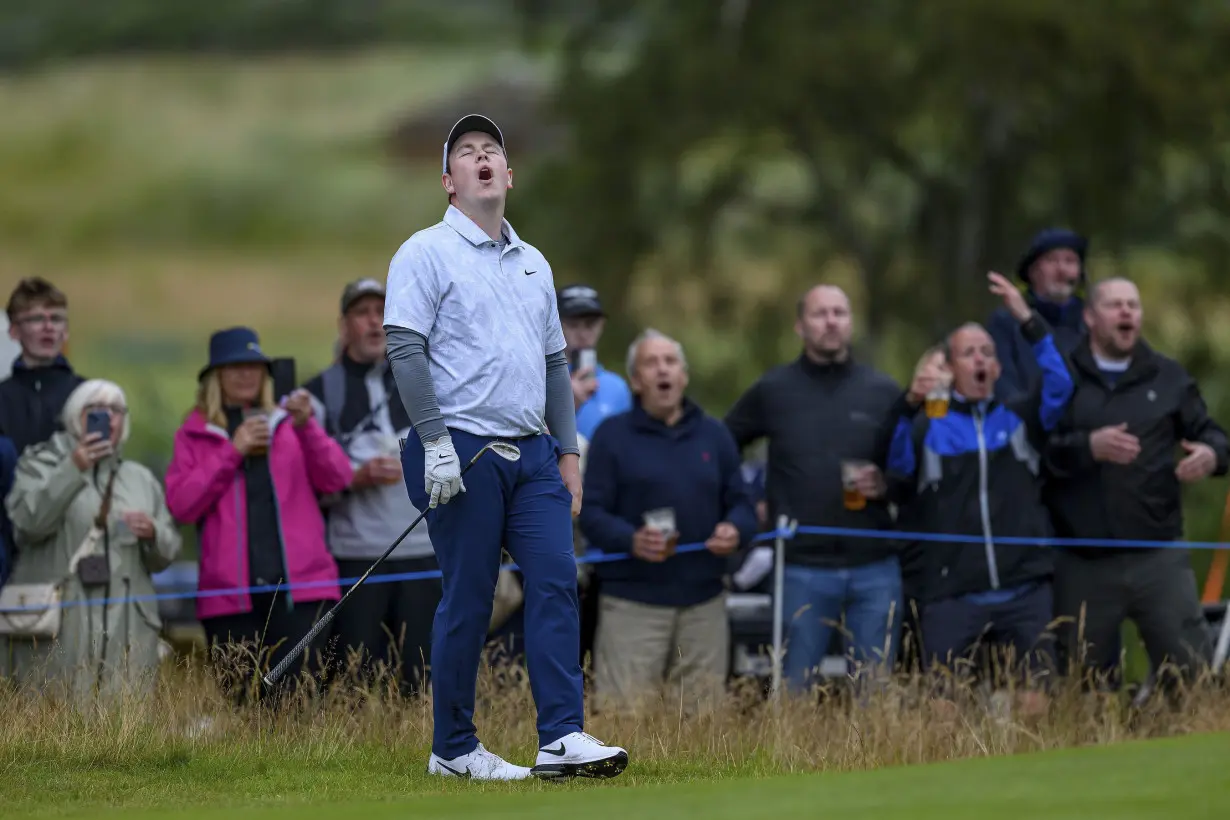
[42, 379]
[817, 412]
[1116, 478]
[976, 471]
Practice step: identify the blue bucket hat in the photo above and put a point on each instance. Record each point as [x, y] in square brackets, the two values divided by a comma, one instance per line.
[235, 345]
[1048, 240]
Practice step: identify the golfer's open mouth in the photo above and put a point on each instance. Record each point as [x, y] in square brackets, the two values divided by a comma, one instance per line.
[1126, 327]
[980, 376]
[663, 386]
[484, 174]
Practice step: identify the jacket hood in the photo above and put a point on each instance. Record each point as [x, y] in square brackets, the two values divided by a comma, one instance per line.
[59, 363]
[1144, 360]
[691, 417]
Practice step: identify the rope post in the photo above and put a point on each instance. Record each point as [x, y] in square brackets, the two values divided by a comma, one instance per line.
[1213, 587]
[785, 529]
[1223, 641]
[1216, 579]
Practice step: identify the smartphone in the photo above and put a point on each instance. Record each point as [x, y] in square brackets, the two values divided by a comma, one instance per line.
[585, 358]
[284, 381]
[98, 421]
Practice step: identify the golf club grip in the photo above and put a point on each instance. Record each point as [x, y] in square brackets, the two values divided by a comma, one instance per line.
[278, 671]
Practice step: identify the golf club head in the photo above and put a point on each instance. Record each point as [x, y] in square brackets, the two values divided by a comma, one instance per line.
[506, 451]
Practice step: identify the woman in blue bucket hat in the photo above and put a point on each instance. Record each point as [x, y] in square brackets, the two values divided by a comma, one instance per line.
[248, 474]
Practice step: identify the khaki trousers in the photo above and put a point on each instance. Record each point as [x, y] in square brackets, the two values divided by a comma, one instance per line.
[640, 650]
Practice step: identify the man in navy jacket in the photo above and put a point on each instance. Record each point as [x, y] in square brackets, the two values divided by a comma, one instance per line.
[1052, 271]
[662, 615]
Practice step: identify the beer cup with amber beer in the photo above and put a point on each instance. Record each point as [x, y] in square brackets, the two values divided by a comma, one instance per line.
[851, 497]
[936, 403]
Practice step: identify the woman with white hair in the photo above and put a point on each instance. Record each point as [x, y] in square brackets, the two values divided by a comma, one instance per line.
[94, 527]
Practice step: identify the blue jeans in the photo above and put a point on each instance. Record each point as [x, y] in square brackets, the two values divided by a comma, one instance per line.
[813, 601]
[525, 506]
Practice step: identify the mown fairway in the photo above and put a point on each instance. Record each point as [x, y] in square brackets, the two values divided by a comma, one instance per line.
[1172, 778]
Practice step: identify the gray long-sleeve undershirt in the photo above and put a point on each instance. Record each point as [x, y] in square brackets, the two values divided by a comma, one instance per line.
[407, 353]
[561, 413]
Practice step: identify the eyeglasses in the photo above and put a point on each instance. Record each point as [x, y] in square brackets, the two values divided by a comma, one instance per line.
[36, 319]
[113, 409]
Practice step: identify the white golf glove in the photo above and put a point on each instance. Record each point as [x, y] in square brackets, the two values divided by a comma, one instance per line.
[441, 471]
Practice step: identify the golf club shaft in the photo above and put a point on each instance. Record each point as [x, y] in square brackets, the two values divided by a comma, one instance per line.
[278, 671]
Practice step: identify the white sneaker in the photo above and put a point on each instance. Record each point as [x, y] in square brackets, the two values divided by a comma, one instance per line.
[479, 764]
[579, 755]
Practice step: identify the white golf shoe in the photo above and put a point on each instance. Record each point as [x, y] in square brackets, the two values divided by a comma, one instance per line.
[579, 755]
[479, 764]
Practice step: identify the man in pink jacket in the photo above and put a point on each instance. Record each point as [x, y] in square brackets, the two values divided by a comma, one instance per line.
[248, 474]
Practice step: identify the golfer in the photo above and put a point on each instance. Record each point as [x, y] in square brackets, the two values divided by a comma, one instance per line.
[477, 350]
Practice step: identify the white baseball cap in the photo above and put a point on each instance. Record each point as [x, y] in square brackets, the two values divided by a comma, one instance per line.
[468, 123]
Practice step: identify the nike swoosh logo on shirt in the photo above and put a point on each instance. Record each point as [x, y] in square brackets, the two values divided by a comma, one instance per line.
[557, 752]
[530, 272]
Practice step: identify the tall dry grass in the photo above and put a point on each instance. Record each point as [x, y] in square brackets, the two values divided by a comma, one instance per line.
[902, 721]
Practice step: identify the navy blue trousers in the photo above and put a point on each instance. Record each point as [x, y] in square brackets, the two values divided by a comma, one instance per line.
[522, 506]
[953, 628]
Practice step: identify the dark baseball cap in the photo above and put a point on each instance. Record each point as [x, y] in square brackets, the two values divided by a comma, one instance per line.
[579, 300]
[468, 123]
[359, 288]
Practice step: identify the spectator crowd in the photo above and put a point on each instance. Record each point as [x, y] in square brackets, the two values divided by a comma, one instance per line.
[921, 507]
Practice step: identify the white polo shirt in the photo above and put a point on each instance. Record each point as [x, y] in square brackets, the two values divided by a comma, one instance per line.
[488, 311]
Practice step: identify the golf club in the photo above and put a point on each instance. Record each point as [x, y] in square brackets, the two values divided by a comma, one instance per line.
[506, 451]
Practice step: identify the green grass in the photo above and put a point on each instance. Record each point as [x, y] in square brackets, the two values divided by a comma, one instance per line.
[357, 750]
[1182, 777]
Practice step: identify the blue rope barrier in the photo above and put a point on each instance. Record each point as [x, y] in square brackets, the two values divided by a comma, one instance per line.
[843, 532]
[1104, 543]
[390, 578]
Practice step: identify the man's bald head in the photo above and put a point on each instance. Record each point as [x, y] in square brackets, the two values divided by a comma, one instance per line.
[1113, 315]
[825, 293]
[972, 359]
[824, 323]
[968, 327]
[1113, 288]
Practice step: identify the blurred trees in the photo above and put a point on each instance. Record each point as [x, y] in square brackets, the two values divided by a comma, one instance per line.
[33, 32]
[723, 155]
[921, 143]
